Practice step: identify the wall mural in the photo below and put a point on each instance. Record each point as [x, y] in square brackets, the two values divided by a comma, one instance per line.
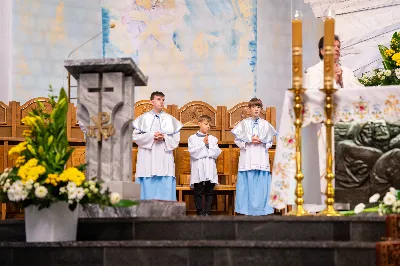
[190, 49]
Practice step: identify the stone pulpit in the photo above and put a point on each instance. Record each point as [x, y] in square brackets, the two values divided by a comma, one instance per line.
[106, 109]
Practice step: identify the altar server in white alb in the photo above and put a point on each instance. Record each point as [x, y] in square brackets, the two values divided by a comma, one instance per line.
[157, 135]
[204, 151]
[254, 136]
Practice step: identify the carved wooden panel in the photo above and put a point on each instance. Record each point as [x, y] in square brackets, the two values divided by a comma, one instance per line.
[74, 120]
[235, 153]
[189, 113]
[4, 113]
[78, 156]
[32, 104]
[240, 112]
[2, 166]
[144, 106]
[134, 162]
[184, 164]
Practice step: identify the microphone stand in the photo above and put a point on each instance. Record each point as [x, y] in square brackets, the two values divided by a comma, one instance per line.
[112, 25]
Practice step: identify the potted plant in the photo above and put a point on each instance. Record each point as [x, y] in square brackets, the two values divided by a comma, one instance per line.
[49, 192]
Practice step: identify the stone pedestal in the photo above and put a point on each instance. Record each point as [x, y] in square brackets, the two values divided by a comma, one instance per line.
[106, 109]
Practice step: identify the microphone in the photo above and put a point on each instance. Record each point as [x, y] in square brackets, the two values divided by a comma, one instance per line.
[111, 26]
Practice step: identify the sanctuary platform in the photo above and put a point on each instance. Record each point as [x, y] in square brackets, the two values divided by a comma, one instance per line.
[215, 240]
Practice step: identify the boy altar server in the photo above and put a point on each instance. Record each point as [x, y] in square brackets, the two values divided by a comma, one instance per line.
[157, 134]
[204, 150]
[254, 137]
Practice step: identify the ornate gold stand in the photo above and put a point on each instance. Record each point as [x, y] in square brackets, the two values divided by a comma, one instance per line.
[299, 192]
[329, 91]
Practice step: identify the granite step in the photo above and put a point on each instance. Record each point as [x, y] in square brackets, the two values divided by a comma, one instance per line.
[189, 252]
[267, 228]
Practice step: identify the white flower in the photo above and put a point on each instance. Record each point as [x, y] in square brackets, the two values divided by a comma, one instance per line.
[359, 208]
[28, 186]
[79, 193]
[92, 187]
[18, 186]
[41, 192]
[71, 186]
[393, 191]
[91, 183]
[374, 198]
[388, 73]
[36, 185]
[389, 199]
[62, 190]
[95, 190]
[103, 189]
[115, 198]
[70, 201]
[397, 72]
[72, 194]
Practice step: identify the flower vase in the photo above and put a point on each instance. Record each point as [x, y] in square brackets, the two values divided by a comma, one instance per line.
[53, 224]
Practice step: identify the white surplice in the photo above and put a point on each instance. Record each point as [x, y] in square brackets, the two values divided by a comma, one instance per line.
[314, 80]
[156, 158]
[254, 156]
[202, 158]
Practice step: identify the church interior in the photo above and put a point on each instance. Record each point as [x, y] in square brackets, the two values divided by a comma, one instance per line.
[317, 80]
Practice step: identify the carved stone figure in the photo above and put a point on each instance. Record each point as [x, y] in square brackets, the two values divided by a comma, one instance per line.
[367, 160]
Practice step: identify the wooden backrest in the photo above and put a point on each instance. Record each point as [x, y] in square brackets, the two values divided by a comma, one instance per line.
[223, 120]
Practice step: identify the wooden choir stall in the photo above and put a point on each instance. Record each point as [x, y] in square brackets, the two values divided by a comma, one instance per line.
[223, 120]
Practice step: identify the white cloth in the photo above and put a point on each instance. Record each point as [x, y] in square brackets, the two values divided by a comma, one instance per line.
[255, 156]
[202, 159]
[155, 158]
[314, 78]
[359, 105]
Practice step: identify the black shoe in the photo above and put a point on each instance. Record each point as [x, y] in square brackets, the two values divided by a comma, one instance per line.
[200, 213]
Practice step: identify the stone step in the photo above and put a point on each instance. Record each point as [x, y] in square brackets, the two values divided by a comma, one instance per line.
[267, 228]
[189, 252]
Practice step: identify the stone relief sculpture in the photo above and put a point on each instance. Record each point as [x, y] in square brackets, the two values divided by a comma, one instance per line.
[367, 160]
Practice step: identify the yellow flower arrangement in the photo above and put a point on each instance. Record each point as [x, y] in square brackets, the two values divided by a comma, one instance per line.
[396, 58]
[31, 171]
[390, 74]
[74, 175]
[17, 150]
[389, 53]
[40, 176]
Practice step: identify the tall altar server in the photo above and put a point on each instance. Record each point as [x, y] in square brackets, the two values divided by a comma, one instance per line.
[157, 135]
[254, 136]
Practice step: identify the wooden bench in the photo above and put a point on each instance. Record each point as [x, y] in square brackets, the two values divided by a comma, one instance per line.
[223, 120]
[225, 190]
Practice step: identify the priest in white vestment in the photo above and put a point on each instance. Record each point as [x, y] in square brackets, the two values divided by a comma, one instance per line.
[157, 135]
[254, 136]
[204, 151]
[314, 79]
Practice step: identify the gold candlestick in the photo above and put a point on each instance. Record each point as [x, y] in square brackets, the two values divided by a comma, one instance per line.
[329, 90]
[297, 89]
